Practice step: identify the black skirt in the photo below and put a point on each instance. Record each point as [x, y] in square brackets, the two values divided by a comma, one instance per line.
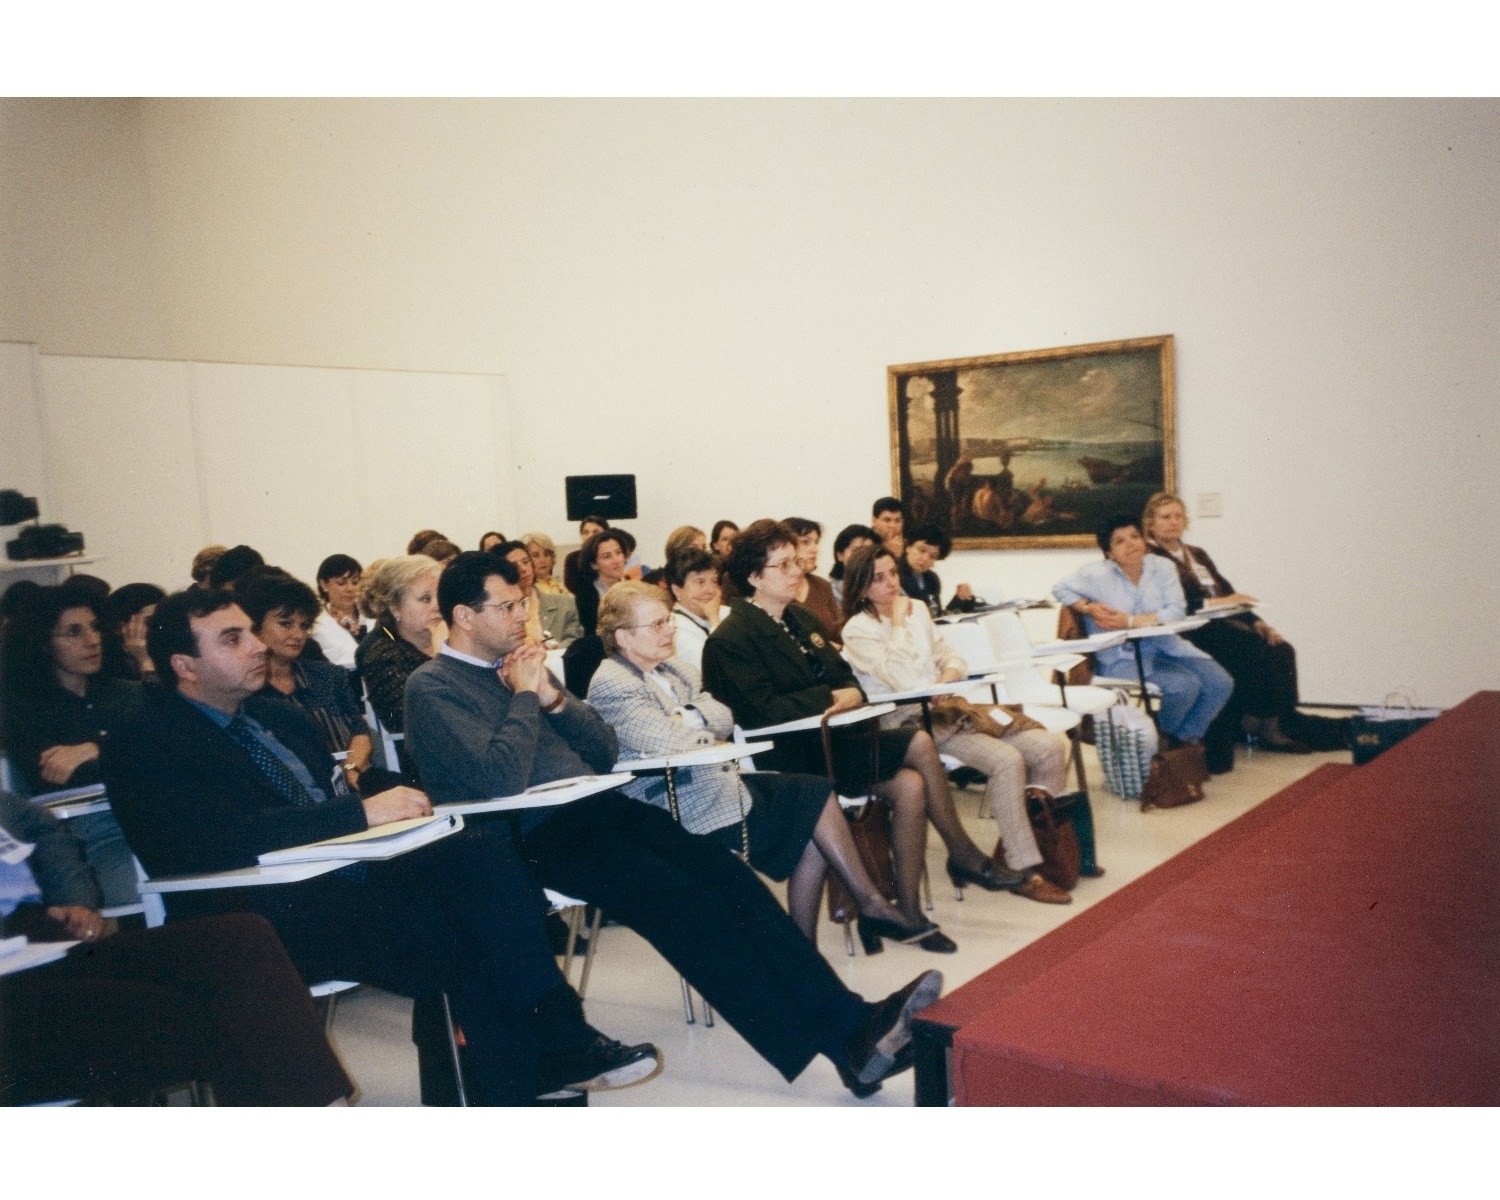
[783, 813]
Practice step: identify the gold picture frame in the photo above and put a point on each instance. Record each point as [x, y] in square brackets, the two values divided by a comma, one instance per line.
[1034, 448]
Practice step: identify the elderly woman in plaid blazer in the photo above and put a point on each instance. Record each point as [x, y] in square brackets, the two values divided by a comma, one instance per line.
[789, 825]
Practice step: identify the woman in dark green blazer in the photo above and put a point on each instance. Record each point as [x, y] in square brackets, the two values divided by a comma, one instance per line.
[771, 663]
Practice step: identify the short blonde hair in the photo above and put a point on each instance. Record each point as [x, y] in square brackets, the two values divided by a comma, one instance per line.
[1155, 505]
[617, 608]
[383, 585]
[541, 539]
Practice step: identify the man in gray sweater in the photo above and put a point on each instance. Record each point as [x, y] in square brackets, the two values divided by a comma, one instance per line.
[485, 718]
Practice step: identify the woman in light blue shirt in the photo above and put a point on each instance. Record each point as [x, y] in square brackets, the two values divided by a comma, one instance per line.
[1132, 589]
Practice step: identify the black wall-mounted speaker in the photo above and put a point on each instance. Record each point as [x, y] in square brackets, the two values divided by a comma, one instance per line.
[608, 496]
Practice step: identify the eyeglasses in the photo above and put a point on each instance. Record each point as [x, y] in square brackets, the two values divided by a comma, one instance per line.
[660, 626]
[787, 566]
[504, 607]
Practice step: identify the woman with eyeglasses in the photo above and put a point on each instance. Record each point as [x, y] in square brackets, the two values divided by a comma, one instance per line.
[771, 663]
[789, 827]
[60, 706]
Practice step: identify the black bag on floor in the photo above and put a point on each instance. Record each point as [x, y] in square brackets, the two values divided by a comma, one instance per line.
[1378, 728]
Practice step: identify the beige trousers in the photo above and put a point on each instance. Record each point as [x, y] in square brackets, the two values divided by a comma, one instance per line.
[1031, 758]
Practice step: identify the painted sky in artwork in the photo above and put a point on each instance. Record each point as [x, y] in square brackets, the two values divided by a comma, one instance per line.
[1098, 398]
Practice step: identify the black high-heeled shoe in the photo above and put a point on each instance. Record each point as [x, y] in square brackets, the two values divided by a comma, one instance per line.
[992, 877]
[873, 929]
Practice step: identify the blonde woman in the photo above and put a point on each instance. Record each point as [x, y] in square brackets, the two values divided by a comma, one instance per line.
[400, 596]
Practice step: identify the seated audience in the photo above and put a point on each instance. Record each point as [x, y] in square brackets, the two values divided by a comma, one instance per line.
[1132, 589]
[543, 553]
[850, 539]
[722, 537]
[440, 550]
[893, 645]
[420, 539]
[126, 614]
[339, 629]
[400, 596]
[1261, 661]
[788, 827]
[203, 564]
[551, 617]
[282, 611]
[492, 539]
[815, 593]
[771, 663]
[60, 708]
[684, 537]
[206, 776]
[888, 520]
[127, 1015]
[234, 562]
[603, 562]
[926, 545]
[573, 578]
[693, 577]
[480, 732]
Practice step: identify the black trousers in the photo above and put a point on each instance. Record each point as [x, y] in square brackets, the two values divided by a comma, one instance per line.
[708, 915]
[215, 999]
[1265, 682]
[463, 916]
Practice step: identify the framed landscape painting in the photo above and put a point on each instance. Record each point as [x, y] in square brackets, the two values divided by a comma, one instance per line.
[1035, 448]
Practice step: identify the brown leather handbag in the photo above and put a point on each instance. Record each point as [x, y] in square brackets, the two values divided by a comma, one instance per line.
[1177, 778]
[1052, 826]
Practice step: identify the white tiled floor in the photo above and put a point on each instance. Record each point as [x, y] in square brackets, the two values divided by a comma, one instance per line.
[634, 996]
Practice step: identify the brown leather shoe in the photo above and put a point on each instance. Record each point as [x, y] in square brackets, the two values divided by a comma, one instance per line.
[1043, 891]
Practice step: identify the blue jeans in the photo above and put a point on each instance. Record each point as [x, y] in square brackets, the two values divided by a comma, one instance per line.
[1193, 690]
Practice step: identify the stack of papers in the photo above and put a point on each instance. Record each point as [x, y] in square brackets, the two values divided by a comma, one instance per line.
[381, 842]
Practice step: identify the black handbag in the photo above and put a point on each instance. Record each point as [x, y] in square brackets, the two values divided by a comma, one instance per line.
[1377, 729]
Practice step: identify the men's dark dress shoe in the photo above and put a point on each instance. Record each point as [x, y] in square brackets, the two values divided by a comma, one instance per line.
[903, 1061]
[597, 1066]
[870, 1054]
[992, 877]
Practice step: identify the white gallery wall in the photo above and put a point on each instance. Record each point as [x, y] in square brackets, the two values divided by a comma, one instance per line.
[707, 293]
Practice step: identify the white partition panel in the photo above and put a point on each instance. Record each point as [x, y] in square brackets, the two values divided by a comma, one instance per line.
[437, 454]
[119, 438]
[276, 463]
[153, 460]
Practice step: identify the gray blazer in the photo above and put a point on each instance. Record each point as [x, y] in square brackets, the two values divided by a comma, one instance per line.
[559, 616]
[708, 798]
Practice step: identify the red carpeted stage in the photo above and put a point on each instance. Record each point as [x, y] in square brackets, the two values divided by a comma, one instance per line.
[1338, 944]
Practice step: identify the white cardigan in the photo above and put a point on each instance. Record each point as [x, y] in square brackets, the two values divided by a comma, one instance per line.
[887, 659]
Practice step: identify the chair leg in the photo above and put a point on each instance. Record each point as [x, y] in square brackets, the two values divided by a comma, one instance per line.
[849, 937]
[570, 947]
[458, 1067]
[925, 890]
[331, 1003]
[588, 955]
[687, 1002]
[708, 1015]
[1075, 735]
